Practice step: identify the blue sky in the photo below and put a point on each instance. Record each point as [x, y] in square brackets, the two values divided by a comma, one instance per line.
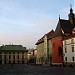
[25, 21]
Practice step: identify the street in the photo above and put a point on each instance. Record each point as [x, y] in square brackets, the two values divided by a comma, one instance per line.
[22, 69]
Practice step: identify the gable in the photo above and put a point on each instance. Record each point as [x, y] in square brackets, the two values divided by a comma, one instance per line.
[65, 26]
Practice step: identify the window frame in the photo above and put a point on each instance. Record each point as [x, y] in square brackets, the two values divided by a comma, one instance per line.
[66, 49]
[72, 48]
[66, 59]
[72, 58]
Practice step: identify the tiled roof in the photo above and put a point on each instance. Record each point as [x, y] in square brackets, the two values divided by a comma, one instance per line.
[64, 25]
[40, 41]
[13, 47]
[49, 35]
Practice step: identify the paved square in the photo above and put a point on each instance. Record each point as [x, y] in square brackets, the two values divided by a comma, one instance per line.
[22, 69]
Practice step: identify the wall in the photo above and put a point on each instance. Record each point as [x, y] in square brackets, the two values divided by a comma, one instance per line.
[49, 51]
[56, 43]
[44, 51]
[12, 57]
[40, 52]
[69, 54]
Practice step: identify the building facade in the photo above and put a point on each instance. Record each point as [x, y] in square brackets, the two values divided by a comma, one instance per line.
[44, 49]
[13, 54]
[57, 50]
[32, 55]
[69, 49]
[64, 28]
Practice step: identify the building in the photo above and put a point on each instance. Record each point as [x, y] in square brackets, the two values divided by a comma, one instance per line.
[32, 55]
[13, 54]
[64, 28]
[69, 49]
[44, 49]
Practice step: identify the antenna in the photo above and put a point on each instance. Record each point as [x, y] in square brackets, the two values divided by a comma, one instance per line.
[70, 6]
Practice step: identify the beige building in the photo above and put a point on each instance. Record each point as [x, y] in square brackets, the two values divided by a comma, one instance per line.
[32, 55]
[44, 49]
[13, 54]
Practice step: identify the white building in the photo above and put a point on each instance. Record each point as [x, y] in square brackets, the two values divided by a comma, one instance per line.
[69, 49]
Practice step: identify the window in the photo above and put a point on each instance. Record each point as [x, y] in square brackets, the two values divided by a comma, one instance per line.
[9, 52]
[65, 58]
[0, 52]
[72, 48]
[13, 52]
[5, 57]
[18, 56]
[5, 52]
[18, 52]
[60, 51]
[9, 57]
[72, 58]
[23, 57]
[22, 52]
[0, 56]
[72, 41]
[65, 49]
[14, 57]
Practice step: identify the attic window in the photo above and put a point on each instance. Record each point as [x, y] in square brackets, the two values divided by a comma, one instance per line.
[73, 31]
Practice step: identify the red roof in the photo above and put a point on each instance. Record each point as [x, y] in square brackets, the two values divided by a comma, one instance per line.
[49, 35]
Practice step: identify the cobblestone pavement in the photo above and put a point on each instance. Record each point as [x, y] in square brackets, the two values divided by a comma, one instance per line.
[20, 69]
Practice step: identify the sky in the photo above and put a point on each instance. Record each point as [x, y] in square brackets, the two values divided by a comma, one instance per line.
[24, 22]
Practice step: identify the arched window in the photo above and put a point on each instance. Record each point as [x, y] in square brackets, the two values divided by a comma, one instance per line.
[60, 51]
[53, 44]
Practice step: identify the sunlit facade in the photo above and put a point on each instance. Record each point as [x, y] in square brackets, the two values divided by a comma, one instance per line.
[44, 49]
